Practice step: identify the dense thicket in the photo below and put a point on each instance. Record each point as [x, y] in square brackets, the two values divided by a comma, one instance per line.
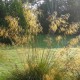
[22, 14]
[21, 23]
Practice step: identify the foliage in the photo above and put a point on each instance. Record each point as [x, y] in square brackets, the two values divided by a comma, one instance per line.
[35, 73]
[33, 25]
[35, 69]
[47, 64]
[13, 30]
[13, 8]
[43, 17]
[2, 13]
[61, 7]
[61, 25]
[73, 9]
[15, 34]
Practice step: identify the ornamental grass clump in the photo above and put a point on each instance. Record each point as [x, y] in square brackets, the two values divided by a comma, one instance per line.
[36, 66]
[15, 34]
[74, 41]
[33, 25]
[60, 25]
[48, 64]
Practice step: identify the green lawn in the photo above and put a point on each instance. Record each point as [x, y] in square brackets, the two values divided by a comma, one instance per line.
[40, 43]
[9, 59]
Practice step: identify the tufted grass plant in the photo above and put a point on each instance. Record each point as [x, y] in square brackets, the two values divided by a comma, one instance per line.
[48, 64]
[36, 64]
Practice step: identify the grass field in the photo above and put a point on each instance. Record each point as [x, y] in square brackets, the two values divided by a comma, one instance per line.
[40, 43]
[12, 56]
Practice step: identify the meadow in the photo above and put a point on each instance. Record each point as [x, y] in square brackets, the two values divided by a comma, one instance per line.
[13, 57]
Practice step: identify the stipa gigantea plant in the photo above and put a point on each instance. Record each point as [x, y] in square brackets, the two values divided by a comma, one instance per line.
[33, 25]
[37, 64]
[12, 33]
[61, 25]
[47, 64]
[74, 41]
[66, 67]
[15, 33]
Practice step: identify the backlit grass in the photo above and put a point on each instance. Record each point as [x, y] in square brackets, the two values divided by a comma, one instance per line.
[13, 58]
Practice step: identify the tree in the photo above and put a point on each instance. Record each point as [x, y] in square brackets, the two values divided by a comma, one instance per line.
[2, 13]
[47, 9]
[13, 8]
[74, 9]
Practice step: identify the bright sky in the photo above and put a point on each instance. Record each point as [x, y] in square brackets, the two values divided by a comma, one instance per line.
[37, 4]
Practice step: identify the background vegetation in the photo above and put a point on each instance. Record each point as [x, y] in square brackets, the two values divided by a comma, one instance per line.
[39, 40]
